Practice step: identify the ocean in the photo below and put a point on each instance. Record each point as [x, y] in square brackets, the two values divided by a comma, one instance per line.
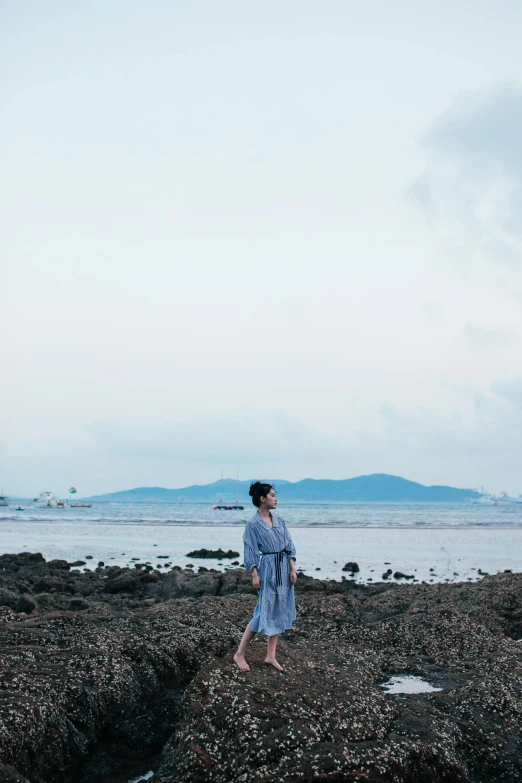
[432, 542]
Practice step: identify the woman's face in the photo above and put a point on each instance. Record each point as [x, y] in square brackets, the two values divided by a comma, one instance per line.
[270, 501]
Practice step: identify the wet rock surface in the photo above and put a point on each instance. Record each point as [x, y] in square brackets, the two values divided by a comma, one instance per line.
[95, 682]
[214, 553]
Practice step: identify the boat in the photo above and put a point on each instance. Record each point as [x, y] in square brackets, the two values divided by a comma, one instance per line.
[486, 500]
[81, 505]
[19, 508]
[223, 506]
[48, 500]
[3, 500]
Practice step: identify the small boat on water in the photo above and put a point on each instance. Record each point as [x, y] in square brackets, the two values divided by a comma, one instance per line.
[224, 506]
[3, 499]
[48, 500]
[19, 508]
[81, 505]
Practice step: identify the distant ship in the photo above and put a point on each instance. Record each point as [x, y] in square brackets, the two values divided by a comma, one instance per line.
[81, 505]
[3, 500]
[48, 500]
[486, 500]
[224, 506]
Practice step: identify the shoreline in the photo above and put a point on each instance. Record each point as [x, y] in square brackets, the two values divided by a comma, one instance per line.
[295, 526]
[427, 553]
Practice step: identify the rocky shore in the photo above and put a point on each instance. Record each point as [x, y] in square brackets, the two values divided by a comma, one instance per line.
[111, 672]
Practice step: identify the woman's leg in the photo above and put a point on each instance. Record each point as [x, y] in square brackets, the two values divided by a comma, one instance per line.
[239, 657]
[271, 651]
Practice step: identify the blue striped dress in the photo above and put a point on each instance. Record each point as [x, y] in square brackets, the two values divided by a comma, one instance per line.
[270, 548]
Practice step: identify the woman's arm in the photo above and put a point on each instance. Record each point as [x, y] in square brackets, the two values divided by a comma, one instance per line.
[289, 546]
[256, 581]
[252, 555]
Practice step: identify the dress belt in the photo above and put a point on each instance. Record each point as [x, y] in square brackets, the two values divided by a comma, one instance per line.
[279, 563]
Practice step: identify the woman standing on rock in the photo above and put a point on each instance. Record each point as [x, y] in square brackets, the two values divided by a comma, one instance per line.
[270, 557]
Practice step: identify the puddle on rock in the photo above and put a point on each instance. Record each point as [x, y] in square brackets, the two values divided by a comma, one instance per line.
[147, 776]
[407, 683]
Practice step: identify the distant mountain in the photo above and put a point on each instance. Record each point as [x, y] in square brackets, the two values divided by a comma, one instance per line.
[378, 487]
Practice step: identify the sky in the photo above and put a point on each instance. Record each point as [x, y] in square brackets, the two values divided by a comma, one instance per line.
[281, 239]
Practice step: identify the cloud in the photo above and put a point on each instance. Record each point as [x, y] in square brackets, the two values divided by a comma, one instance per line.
[253, 437]
[433, 310]
[479, 441]
[491, 435]
[510, 390]
[479, 338]
[471, 189]
[475, 440]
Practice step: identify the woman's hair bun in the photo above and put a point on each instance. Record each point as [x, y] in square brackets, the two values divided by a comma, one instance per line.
[253, 488]
[258, 490]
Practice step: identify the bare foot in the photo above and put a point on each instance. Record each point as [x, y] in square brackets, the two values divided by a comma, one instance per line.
[274, 663]
[242, 664]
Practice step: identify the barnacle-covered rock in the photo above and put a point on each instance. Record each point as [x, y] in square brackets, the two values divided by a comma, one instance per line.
[91, 679]
[10, 775]
[326, 716]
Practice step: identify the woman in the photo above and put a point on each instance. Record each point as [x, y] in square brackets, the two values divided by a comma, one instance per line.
[270, 557]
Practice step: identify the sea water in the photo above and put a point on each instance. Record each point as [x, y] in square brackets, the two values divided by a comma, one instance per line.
[408, 684]
[431, 542]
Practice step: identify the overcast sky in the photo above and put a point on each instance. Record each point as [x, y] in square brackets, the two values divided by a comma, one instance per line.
[280, 238]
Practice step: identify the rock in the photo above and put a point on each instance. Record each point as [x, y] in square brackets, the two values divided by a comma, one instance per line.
[237, 727]
[59, 564]
[78, 604]
[48, 583]
[113, 571]
[400, 575]
[88, 557]
[46, 602]
[83, 690]
[72, 679]
[148, 577]
[8, 598]
[235, 581]
[23, 559]
[10, 775]
[125, 583]
[26, 603]
[235, 724]
[77, 563]
[214, 553]
[352, 566]
[81, 586]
